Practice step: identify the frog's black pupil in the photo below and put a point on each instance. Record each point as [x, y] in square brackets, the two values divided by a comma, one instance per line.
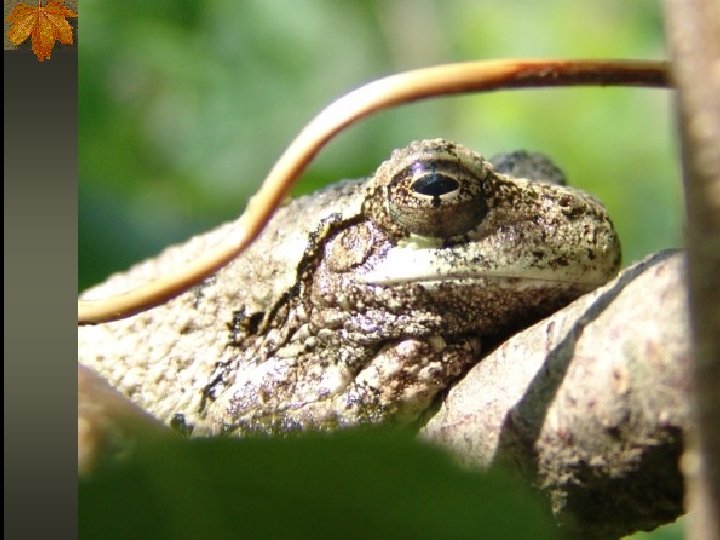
[435, 184]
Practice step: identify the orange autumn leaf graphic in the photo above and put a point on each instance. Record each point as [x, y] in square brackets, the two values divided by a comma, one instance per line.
[46, 23]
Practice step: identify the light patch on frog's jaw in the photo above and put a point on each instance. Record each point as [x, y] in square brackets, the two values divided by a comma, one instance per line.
[410, 263]
[416, 241]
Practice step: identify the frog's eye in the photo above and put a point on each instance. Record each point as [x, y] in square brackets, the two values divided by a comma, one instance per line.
[436, 197]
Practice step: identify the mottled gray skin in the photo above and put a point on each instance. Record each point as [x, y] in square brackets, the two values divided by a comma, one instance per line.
[358, 304]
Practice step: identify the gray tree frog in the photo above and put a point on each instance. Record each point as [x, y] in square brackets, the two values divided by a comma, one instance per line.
[360, 303]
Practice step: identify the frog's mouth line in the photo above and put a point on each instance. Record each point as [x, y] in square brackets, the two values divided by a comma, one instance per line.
[483, 264]
[502, 279]
[521, 272]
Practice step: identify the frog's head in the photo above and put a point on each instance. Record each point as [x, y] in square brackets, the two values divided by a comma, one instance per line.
[448, 244]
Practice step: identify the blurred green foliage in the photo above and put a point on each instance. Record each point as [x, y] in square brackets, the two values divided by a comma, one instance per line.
[184, 107]
[353, 485]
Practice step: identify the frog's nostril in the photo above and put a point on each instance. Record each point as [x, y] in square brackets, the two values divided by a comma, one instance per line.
[435, 185]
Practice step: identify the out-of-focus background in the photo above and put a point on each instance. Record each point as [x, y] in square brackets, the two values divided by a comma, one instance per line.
[185, 105]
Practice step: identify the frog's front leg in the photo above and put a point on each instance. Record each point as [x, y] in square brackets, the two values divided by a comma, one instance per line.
[404, 377]
[339, 387]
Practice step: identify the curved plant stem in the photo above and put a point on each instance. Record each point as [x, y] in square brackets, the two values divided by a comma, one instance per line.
[381, 94]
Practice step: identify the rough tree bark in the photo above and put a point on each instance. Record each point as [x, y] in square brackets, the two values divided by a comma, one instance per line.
[590, 405]
[694, 41]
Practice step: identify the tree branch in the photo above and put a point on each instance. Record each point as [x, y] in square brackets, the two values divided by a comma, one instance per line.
[694, 40]
[590, 405]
